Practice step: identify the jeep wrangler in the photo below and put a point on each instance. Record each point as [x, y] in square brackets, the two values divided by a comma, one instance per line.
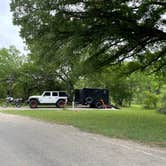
[59, 98]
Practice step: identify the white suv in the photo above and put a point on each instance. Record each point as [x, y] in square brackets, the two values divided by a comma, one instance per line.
[59, 98]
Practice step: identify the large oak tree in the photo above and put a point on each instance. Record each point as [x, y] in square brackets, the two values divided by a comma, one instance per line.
[103, 31]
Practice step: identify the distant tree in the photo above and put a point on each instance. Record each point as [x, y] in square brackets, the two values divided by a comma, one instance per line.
[10, 63]
[110, 31]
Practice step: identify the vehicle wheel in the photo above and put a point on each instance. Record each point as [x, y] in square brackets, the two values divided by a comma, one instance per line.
[88, 100]
[18, 105]
[60, 104]
[98, 105]
[33, 104]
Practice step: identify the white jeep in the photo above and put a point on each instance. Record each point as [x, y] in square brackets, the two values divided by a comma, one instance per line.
[59, 98]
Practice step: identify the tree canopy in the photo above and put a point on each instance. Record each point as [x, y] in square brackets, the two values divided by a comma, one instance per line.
[103, 32]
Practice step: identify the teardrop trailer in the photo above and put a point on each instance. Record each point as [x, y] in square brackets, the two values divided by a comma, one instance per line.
[95, 98]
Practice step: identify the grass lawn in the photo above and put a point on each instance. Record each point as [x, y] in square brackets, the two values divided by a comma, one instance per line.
[133, 123]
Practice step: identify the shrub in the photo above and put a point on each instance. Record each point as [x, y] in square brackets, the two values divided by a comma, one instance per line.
[162, 110]
[163, 101]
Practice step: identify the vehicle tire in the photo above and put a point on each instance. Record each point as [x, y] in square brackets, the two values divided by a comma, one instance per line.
[60, 104]
[92, 105]
[33, 104]
[18, 105]
[89, 100]
[99, 105]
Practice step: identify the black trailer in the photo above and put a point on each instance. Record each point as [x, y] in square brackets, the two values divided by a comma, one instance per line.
[95, 98]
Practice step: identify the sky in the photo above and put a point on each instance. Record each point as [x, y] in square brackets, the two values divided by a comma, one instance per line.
[9, 34]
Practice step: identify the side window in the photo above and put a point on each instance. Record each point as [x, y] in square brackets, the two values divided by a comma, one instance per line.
[47, 94]
[62, 94]
[54, 94]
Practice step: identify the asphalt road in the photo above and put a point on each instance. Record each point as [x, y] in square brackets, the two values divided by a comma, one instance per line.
[27, 142]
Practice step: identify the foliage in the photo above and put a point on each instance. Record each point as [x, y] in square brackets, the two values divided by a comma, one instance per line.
[10, 63]
[100, 32]
[163, 100]
[150, 100]
[162, 110]
[130, 123]
[147, 83]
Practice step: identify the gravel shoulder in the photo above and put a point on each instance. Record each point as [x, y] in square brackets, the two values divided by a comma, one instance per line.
[26, 141]
[51, 108]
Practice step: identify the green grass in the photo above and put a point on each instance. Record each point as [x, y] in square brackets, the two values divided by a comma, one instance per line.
[133, 123]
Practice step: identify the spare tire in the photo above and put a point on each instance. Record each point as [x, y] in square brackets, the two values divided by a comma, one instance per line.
[89, 100]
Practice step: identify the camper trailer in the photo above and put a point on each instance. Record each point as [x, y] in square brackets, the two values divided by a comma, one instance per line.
[95, 98]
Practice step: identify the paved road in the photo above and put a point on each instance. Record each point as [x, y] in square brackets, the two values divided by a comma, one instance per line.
[27, 142]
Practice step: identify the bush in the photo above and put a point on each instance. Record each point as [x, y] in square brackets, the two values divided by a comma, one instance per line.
[163, 101]
[162, 110]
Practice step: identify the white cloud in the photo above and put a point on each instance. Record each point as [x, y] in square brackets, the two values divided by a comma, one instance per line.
[9, 34]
